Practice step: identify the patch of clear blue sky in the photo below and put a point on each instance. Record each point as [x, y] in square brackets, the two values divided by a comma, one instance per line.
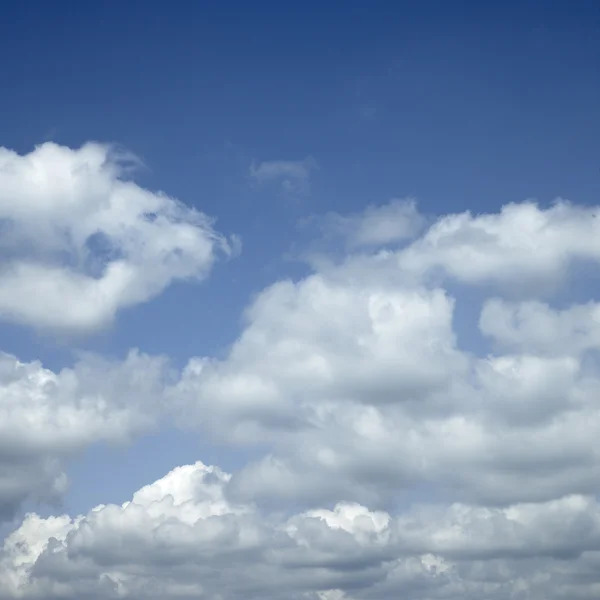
[461, 104]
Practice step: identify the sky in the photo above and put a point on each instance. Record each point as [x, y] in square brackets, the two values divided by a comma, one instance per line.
[299, 301]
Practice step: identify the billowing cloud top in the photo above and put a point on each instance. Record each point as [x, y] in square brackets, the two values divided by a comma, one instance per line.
[180, 537]
[409, 449]
[73, 229]
[47, 417]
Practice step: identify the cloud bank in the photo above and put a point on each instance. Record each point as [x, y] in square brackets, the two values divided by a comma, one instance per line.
[181, 538]
[399, 458]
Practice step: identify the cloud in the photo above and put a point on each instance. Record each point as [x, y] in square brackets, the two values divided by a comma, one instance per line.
[326, 340]
[293, 176]
[536, 327]
[74, 227]
[360, 361]
[394, 461]
[181, 537]
[47, 418]
[523, 246]
[394, 222]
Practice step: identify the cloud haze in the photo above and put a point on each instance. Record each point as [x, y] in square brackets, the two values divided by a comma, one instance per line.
[292, 176]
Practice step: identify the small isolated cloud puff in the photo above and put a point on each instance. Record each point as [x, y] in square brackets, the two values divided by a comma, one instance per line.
[293, 176]
[394, 222]
[79, 242]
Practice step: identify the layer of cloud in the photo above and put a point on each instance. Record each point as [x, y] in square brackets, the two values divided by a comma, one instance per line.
[359, 362]
[182, 538]
[292, 176]
[399, 463]
[79, 241]
[48, 417]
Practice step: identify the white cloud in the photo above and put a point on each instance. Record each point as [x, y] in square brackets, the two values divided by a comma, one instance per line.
[398, 463]
[359, 362]
[536, 327]
[47, 417]
[79, 242]
[180, 537]
[322, 341]
[394, 222]
[293, 176]
[521, 246]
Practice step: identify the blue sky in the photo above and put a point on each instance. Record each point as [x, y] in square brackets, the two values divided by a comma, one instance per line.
[266, 116]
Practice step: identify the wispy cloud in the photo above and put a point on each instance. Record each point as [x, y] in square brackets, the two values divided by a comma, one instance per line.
[293, 176]
[394, 222]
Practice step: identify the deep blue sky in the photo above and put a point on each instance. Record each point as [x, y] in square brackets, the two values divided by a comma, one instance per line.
[461, 104]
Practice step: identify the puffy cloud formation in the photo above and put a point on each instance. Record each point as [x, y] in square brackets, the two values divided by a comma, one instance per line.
[359, 362]
[401, 460]
[181, 538]
[47, 417]
[535, 327]
[523, 245]
[79, 241]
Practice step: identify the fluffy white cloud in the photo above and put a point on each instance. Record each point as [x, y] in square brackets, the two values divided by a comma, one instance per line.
[79, 242]
[46, 417]
[536, 327]
[320, 341]
[181, 538]
[398, 463]
[355, 378]
[522, 246]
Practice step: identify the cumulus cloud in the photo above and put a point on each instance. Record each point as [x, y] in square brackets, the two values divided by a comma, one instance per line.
[536, 327]
[292, 176]
[320, 341]
[522, 246]
[359, 362]
[398, 463]
[47, 417]
[180, 537]
[79, 241]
